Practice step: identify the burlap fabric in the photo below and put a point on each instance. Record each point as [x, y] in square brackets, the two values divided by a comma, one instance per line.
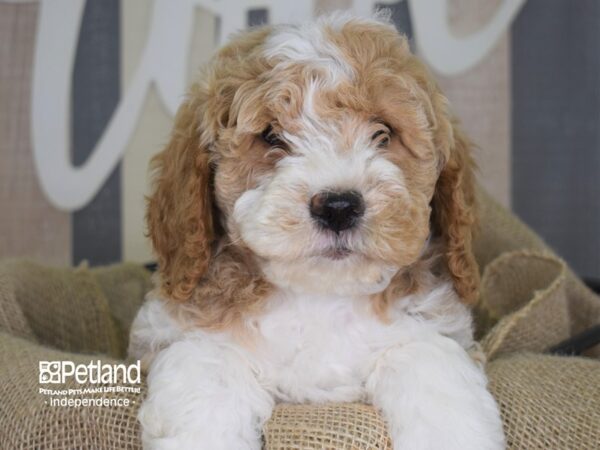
[529, 297]
[28, 422]
[530, 301]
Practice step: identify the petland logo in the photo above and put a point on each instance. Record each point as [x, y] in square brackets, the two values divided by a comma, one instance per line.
[58, 372]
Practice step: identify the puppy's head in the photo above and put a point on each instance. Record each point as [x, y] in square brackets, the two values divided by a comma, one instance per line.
[326, 151]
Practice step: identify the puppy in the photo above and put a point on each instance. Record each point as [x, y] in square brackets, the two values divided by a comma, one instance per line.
[312, 218]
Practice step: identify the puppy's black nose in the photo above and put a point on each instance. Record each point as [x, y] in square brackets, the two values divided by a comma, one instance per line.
[337, 211]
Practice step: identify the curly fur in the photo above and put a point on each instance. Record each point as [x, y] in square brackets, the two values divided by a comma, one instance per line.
[180, 211]
[251, 308]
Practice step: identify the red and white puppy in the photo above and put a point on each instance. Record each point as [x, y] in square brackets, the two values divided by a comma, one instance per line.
[312, 218]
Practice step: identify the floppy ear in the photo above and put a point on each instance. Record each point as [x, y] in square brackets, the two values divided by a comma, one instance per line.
[179, 212]
[454, 216]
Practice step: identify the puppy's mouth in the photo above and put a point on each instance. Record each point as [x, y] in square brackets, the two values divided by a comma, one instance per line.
[337, 252]
[336, 246]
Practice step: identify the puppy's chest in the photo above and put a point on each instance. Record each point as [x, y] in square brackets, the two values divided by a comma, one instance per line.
[313, 348]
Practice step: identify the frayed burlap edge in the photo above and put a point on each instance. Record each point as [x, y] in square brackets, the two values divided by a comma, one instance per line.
[531, 310]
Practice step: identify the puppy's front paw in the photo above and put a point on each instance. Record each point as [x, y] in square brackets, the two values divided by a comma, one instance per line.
[432, 438]
[434, 396]
[203, 396]
[477, 429]
[161, 431]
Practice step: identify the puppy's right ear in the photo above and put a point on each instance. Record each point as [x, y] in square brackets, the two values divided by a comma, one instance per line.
[179, 212]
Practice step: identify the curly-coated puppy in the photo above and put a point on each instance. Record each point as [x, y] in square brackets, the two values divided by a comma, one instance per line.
[312, 217]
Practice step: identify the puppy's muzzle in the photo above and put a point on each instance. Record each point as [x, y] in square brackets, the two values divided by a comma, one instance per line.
[337, 211]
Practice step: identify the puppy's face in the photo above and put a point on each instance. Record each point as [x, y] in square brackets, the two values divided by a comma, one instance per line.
[325, 144]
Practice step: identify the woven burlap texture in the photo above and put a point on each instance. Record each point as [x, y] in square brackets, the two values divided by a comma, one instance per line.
[530, 300]
[27, 422]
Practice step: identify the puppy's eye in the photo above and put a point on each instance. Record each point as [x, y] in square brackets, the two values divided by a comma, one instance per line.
[272, 138]
[381, 137]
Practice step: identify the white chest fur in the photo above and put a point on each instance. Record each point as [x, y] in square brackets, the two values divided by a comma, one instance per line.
[321, 348]
[316, 348]
[313, 348]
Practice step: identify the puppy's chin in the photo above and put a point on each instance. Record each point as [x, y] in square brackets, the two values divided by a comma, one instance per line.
[350, 275]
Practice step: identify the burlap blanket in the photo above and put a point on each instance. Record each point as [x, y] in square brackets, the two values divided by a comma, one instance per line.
[530, 301]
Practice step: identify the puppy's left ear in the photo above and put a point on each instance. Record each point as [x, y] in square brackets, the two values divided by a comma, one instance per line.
[454, 214]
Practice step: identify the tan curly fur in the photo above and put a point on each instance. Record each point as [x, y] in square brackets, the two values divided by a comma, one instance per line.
[179, 213]
[454, 217]
[214, 156]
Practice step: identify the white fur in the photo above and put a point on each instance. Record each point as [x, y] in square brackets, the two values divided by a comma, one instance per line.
[152, 330]
[307, 44]
[214, 391]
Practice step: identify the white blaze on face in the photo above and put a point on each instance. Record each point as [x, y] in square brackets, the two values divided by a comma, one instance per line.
[307, 44]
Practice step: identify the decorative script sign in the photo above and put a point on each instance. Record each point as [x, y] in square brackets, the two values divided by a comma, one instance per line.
[163, 64]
